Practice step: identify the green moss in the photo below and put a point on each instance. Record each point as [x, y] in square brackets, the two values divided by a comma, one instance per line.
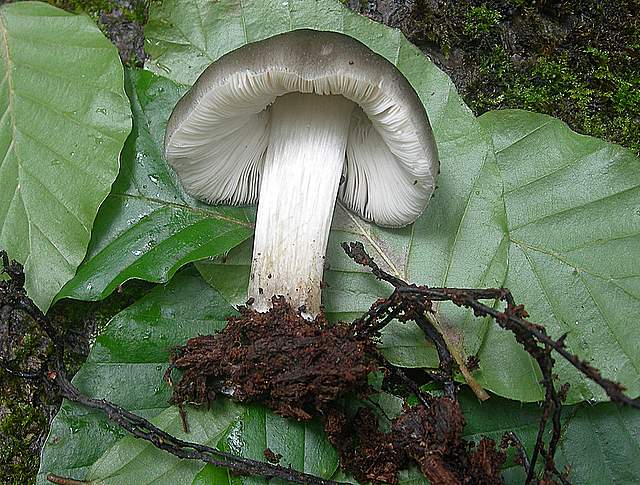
[481, 20]
[93, 8]
[575, 60]
[90, 7]
[24, 407]
[604, 102]
[21, 429]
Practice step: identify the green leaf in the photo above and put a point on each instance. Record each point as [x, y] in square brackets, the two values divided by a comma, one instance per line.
[64, 117]
[466, 236]
[573, 248]
[302, 445]
[149, 227]
[462, 224]
[184, 37]
[126, 366]
[601, 445]
[132, 460]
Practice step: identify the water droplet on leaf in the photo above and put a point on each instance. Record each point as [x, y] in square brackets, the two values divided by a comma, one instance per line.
[164, 67]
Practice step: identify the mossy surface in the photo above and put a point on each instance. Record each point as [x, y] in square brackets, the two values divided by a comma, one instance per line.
[26, 409]
[120, 20]
[133, 10]
[577, 60]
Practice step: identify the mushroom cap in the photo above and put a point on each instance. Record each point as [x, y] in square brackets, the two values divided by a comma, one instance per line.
[217, 134]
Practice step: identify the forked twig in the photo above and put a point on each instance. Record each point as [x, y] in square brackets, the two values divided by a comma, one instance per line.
[411, 301]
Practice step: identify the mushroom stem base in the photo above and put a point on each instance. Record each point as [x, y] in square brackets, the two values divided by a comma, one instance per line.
[300, 179]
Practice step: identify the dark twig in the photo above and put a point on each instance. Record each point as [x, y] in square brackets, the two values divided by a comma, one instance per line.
[423, 397]
[12, 294]
[143, 429]
[415, 301]
[512, 318]
[58, 480]
[20, 373]
[404, 309]
[510, 438]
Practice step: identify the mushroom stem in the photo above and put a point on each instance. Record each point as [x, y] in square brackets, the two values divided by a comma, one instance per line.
[300, 178]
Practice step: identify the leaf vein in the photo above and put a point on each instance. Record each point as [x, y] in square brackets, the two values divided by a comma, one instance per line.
[556, 170]
[59, 201]
[38, 141]
[64, 115]
[574, 208]
[204, 212]
[607, 322]
[535, 130]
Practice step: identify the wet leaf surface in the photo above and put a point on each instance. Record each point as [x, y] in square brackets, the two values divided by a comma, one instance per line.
[149, 227]
[126, 366]
[486, 224]
[64, 119]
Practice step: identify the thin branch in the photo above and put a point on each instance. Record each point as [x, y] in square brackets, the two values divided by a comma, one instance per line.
[422, 313]
[510, 438]
[414, 302]
[403, 309]
[12, 294]
[143, 429]
[58, 480]
[512, 318]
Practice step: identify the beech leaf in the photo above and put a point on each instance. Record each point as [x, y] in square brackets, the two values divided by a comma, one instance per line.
[480, 229]
[149, 227]
[64, 118]
[126, 366]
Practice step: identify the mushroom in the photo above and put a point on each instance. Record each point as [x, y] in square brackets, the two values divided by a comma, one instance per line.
[293, 122]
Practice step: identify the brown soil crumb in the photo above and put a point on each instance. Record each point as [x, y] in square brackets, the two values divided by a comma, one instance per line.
[365, 451]
[433, 438]
[294, 366]
[271, 456]
[300, 369]
[485, 463]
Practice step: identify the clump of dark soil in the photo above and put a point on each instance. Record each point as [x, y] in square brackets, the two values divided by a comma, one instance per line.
[302, 369]
[429, 436]
[368, 453]
[123, 24]
[443, 456]
[293, 365]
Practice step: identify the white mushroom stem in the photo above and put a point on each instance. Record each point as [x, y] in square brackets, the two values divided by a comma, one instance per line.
[300, 178]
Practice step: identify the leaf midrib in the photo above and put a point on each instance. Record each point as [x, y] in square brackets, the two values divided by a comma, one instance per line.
[526, 246]
[196, 210]
[8, 78]
[524, 137]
